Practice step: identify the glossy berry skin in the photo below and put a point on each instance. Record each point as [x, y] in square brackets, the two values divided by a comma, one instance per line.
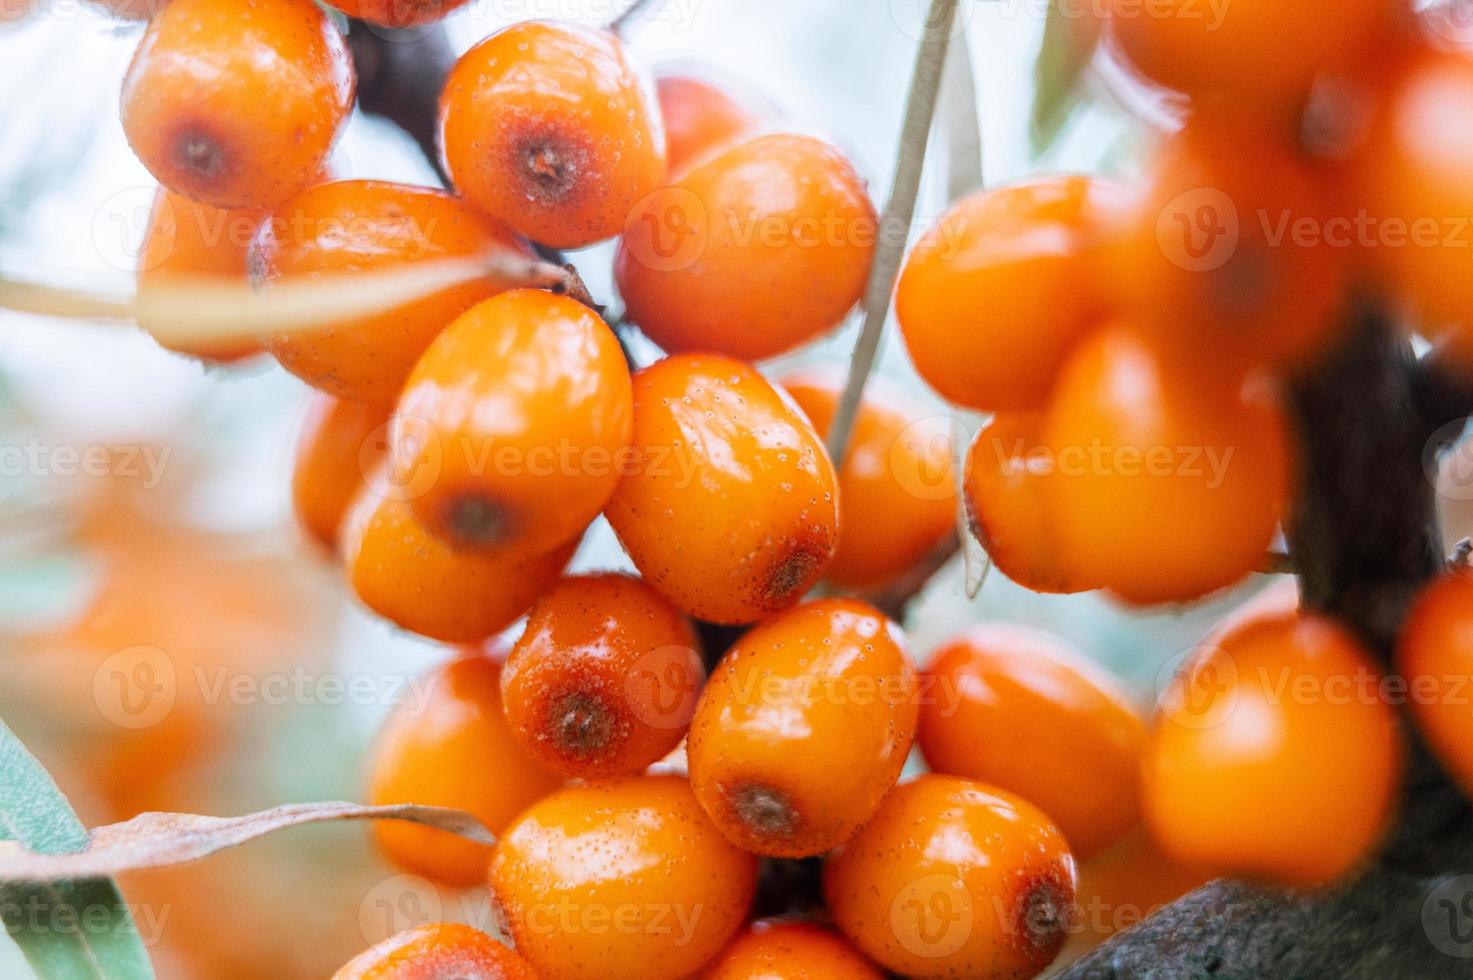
[188, 241]
[451, 746]
[1228, 247]
[1258, 51]
[1140, 441]
[412, 578]
[791, 948]
[624, 879]
[523, 408]
[896, 487]
[1008, 506]
[732, 511]
[1020, 709]
[953, 878]
[399, 13]
[212, 115]
[553, 129]
[700, 119]
[437, 951]
[803, 728]
[604, 679]
[352, 226]
[751, 253]
[968, 296]
[1284, 716]
[340, 444]
[1434, 655]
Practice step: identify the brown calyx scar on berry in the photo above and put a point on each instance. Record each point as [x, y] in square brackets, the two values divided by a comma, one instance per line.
[791, 575]
[200, 152]
[764, 810]
[550, 164]
[581, 723]
[1045, 910]
[473, 520]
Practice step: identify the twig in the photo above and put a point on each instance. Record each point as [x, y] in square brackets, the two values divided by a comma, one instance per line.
[1277, 563]
[920, 108]
[400, 76]
[964, 170]
[636, 9]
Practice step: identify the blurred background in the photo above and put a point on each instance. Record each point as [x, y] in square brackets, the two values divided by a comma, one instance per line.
[147, 543]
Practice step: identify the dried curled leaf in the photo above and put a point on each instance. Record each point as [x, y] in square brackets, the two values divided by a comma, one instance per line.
[156, 840]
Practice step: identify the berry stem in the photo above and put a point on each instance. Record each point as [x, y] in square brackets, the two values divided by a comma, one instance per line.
[637, 8]
[920, 109]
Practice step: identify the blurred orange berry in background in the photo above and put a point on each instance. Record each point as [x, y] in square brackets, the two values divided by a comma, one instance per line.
[437, 949]
[750, 253]
[993, 296]
[897, 494]
[339, 445]
[953, 878]
[450, 745]
[1435, 657]
[732, 509]
[515, 424]
[1021, 709]
[700, 118]
[605, 677]
[553, 129]
[1121, 887]
[803, 728]
[1167, 484]
[351, 226]
[1275, 755]
[209, 111]
[771, 948]
[624, 880]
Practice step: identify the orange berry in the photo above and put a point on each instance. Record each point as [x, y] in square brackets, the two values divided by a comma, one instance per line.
[1166, 485]
[968, 297]
[751, 253]
[626, 879]
[409, 576]
[449, 744]
[185, 241]
[399, 13]
[1121, 887]
[1274, 756]
[436, 951]
[896, 489]
[1008, 506]
[1435, 656]
[604, 679]
[336, 451]
[521, 409]
[1228, 248]
[771, 948]
[700, 119]
[1253, 50]
[1021, 709]
[953, 878]
[803, 728]
[212, 114]
[733, 509]
[553, 129]
[352, 226]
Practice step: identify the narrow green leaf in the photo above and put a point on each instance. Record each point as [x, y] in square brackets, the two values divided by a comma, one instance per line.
[68, 930]
[1071, 32]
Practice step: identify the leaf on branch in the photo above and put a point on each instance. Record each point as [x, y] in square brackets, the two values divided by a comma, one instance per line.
[156, 840]
[1070, 35]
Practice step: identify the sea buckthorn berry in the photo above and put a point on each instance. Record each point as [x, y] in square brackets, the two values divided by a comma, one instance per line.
[398, 13]
[1122, 886]
[522, 408]
[409, 576]
[804, 727]
[605, 678]
[189, 241]
[1274, 756]
[213, 116]
[1020, 709]
[733, 509]
[340, 445]
[1435, 656]
[896, 488]
[1139, 441]
[1227, 247]
[770, 948]
[453, 747]
[636, 853]
[357, 225]
[752, 252]
[953, 878]
[1254, 50]
[554, 129]
[700, 119]
[437, 951]
[1008, 506]
[967, 300]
